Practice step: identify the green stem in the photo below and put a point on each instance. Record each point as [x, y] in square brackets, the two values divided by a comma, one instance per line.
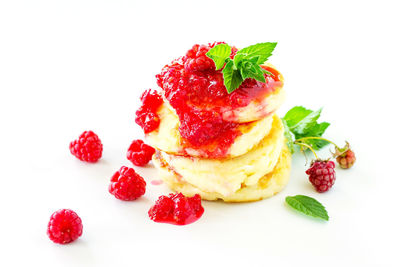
[307, 146]
[319, 138]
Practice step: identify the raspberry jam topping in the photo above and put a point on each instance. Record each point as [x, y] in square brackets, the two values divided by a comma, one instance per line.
[146, 116]
[177, 209]
[196, 91]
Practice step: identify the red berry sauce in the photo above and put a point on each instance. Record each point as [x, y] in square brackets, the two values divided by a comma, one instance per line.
[177, 209]
[146, 115]
[196, 91]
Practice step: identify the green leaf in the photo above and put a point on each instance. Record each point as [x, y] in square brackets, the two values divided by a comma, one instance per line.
[243, 58]
[267, 72]
[232, 77]
[306, 123]
[316, 131]
[219, 54]
[245, 64]
[289, 137]
[251, 70]
[308, 205]
[262, 50]
[302, 122]
[238, 59]
[295, 115]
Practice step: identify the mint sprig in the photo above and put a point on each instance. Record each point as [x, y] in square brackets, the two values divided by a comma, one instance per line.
[308, 206]
[219, 54]
[299, 123]
[245, 64]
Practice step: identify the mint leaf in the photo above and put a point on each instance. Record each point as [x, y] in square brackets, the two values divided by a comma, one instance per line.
[251, 70]
[308, 206]
[262, 50]
[267, 72]
[238, 60]
[232, 77]
[289, 137]
[219, 54]
[245, 64]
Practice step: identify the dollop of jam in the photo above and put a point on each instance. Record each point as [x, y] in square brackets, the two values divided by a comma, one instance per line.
[146, 115]
[177, 209]
[196, 91]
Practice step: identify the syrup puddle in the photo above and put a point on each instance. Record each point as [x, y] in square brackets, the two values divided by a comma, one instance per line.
[156, 182]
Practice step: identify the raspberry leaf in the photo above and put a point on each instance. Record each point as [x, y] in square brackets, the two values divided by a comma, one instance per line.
[317, 130]
[295, 115]
[289, 137]
[232, 77]
[302, 122]
[219, 54]
[306, 123]
[308, 206]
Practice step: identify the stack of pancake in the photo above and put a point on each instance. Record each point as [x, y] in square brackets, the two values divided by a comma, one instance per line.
[256, 165]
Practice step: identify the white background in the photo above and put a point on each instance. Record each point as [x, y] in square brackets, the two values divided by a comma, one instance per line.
[70, 66]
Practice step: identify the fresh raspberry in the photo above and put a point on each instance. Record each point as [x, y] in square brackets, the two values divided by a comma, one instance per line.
[177, 209]
[322, 175]
[87, 147]
[197, 60]
[127, 185]
[139, 153]
[146, 115]
[147, 119]
[345, 157]
[64, 226]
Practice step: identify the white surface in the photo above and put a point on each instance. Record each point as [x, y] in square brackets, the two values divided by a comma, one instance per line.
[68, 66]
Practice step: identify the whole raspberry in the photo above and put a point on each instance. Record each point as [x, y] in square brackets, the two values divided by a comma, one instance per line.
[345, 156]
[177, 209]
[147, 119]
[139, 153]
[322, 175]
[87, 147]
[127, 185]
[64, 226]
[197, 60]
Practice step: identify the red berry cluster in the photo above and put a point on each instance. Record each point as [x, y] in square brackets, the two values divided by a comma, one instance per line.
[197, 60]
[146, 115]
[87, 147]
[127, 185]
[322, 175]
[64, 226]
[139, 153]
[177, 209]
